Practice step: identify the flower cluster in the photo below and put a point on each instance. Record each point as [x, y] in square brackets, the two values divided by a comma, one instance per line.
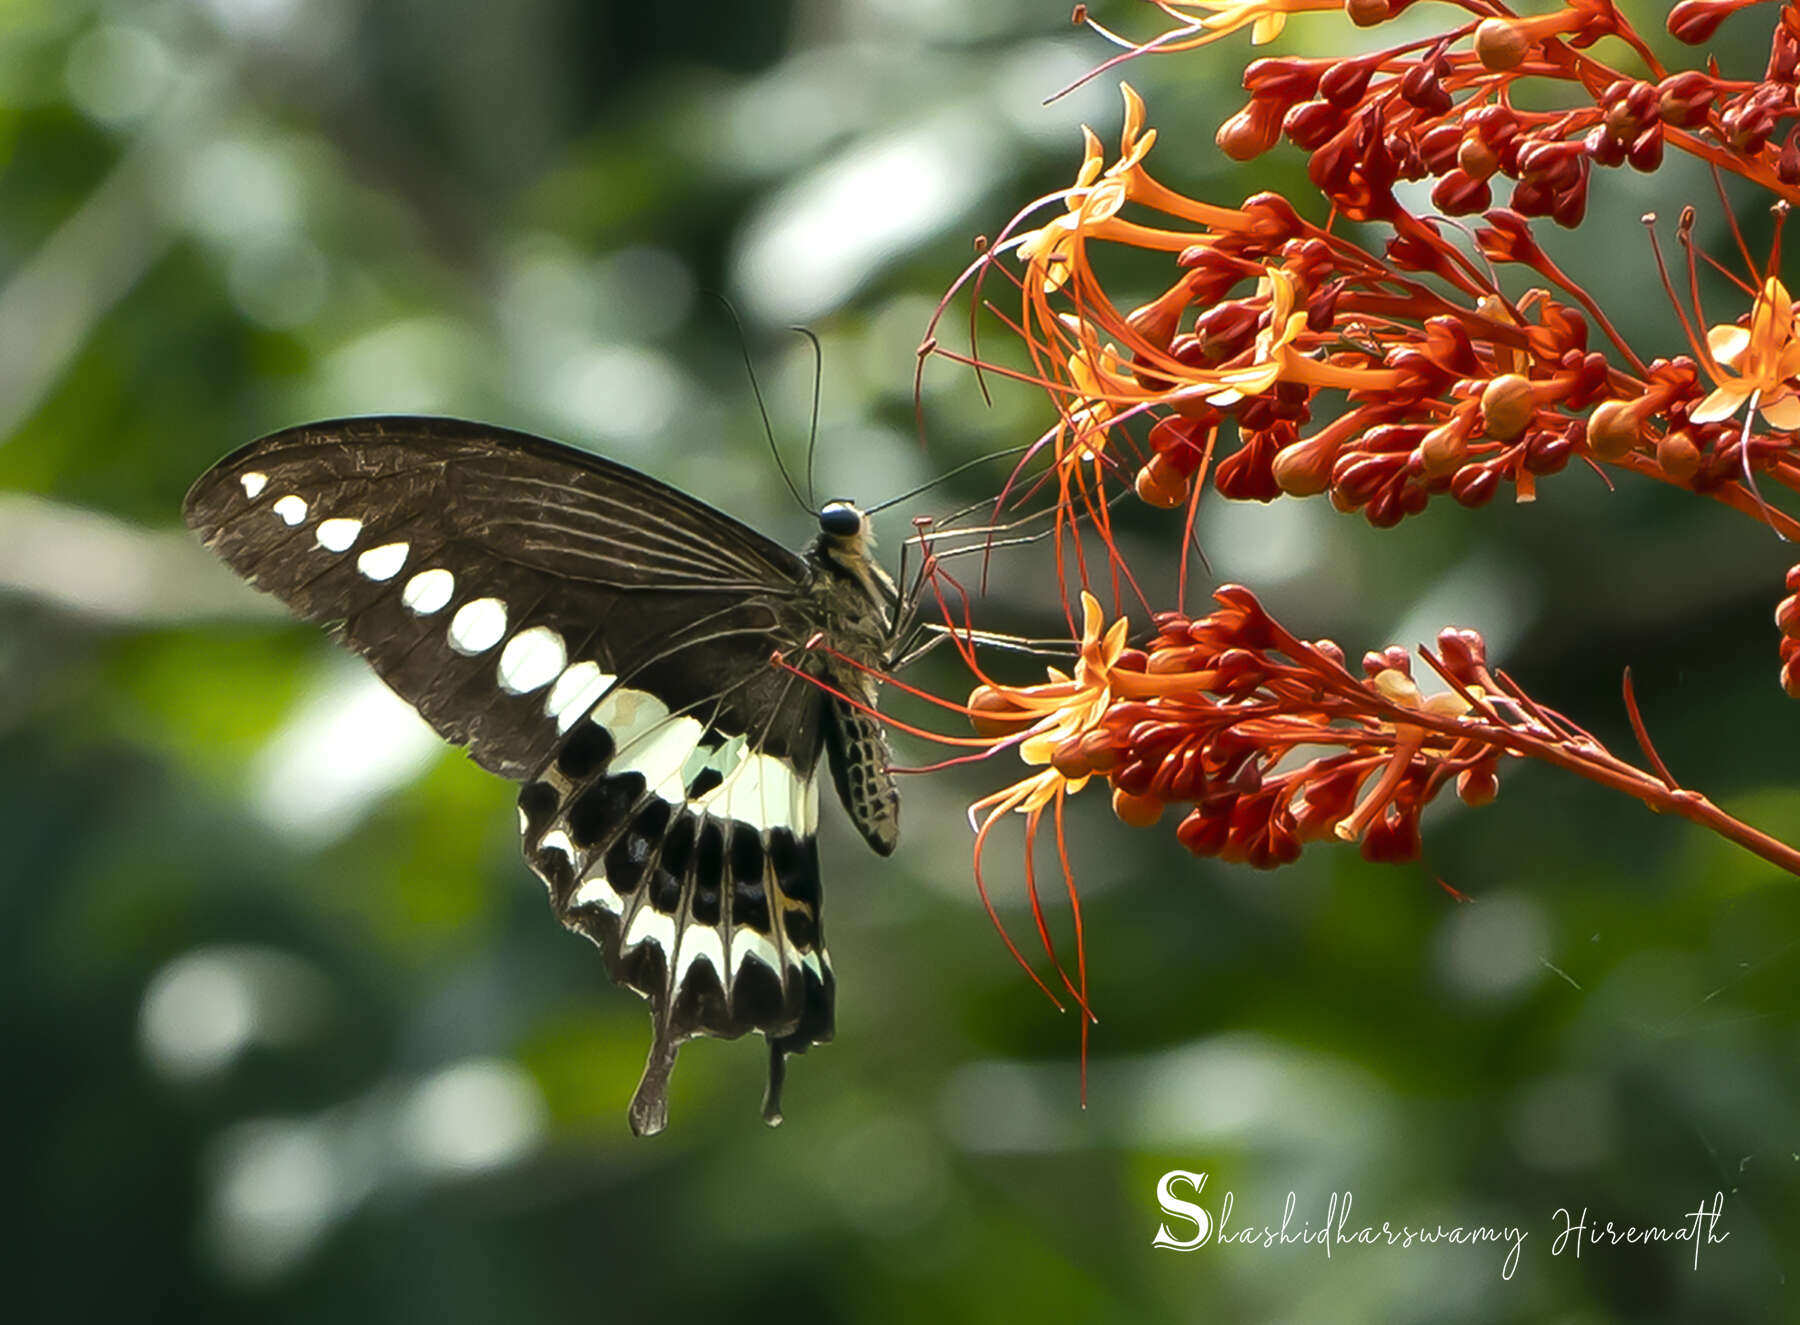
[1287, 356]
[1266, 742]
[1385, 379]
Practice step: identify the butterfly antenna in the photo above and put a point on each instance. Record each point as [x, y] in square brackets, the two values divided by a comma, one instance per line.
[762, 408]
[812, 437]
[950, 474]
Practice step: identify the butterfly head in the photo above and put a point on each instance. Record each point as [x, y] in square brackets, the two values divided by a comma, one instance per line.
[842, 520]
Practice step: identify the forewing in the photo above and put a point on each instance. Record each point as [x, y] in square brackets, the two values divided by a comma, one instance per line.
[495, 580]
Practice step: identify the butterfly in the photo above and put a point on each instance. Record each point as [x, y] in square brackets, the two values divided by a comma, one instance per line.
[610, 644]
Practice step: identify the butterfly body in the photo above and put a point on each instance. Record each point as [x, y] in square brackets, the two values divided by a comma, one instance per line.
[610, 644]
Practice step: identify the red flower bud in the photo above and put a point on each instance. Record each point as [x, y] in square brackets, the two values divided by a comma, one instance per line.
[1385, 510]
[1159, 483]
[1392, 439]
[1456, 194]
[1391, 659]
[1477, 158]
[1345, 82]
[1569, 206]
[1311, 124]
[1474, 485]
[1678, 455]
[1247, 473]
[1303, 468]
[1201, 834]
[1787, 163]
[1331, 651]
[1787, 616]
[1684, 99]
[1251, 132]
[1463, 653]
[1478, 785]
[1274, 219]
[1358, 476]
[1423, 86]
[1613, 429]
[1507, 237]
[1790, 677]
[1695, 21]
[1749, 125]
[1602, 148]
[1285, 79]
[1137, 811]
[1501, 44]
[1442, 451]
[1158, 320]
[1548, 452]
[1508, 403]
[1646, 150]
[1530, 198]
[1628, 104]
[1393, 838]
[1368, 13]
[1439, 147]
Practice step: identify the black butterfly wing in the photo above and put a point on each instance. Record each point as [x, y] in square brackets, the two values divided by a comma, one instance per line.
[604, 639]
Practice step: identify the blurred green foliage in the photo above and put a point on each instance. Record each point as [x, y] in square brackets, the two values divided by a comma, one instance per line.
[345, 1066]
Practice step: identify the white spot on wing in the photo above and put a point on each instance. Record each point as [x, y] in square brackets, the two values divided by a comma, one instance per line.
[627, 714]
[661, 757]
[659, 754]
[575, 692]
[253, 484]
[651, 924]
[747, 943]
[429, 590]
[596, 891]
[338, 533]
[761, 790]
[290, 508]
[648, 740]
[700, 943]
[384, 562]
[764, 792]
[531, 659]
[478, 625]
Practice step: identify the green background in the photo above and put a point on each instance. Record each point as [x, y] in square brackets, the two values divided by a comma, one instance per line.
[289, 1031]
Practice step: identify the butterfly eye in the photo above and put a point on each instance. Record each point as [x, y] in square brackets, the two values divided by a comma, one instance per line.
[840, 519]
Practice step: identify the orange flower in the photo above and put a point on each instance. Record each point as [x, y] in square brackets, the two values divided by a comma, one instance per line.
[1213, 19]
[1756, 365]
[1276, 356]
[1056, 712]
[1093, 199]
[1225, 16]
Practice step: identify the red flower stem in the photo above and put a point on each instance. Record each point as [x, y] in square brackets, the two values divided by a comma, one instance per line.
[1730, 162]
[1599, 765]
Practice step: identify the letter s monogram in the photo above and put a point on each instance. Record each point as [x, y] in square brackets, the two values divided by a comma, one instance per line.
[1174, 1205]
